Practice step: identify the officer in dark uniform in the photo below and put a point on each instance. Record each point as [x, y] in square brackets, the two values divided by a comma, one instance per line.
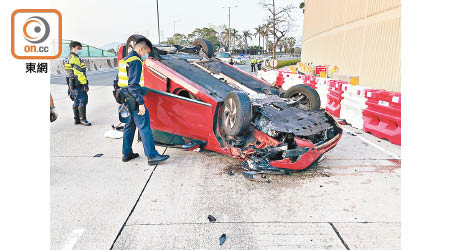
[131, 83]
[78, 83]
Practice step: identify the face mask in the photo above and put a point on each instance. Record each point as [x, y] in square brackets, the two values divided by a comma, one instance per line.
[78, 52]
[144, 57]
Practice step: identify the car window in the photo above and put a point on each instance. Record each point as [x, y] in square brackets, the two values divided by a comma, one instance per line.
[223, 55]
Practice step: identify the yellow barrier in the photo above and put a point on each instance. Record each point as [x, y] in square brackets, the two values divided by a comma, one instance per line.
[292, 69]
[307, 70]
[354, 80]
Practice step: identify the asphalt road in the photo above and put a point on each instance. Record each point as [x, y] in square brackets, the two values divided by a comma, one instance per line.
[351, 200]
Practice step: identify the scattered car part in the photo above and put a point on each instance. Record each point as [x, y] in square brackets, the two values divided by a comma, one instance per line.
[211, 218]
[222, 239]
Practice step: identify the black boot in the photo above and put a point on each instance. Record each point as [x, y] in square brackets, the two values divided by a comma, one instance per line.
[157, 159]
[83, 120]
[129, 157]
[76, 115]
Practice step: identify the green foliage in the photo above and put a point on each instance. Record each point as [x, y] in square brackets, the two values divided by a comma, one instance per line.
[205, 33]
[286, 63]
[177, 38]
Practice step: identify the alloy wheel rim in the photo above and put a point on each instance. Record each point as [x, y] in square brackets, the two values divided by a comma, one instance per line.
[230, 113]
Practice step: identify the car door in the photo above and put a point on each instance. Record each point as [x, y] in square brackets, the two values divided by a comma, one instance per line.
[179, 115]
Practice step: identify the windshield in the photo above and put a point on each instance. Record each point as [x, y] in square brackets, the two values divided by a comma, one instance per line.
[223, 55]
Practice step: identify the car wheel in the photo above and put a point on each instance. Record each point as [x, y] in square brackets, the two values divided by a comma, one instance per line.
[131, 42]
[237, 113]
[206, 46]
[305, 97]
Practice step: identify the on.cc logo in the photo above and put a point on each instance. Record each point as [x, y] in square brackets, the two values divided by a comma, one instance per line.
[36, 29]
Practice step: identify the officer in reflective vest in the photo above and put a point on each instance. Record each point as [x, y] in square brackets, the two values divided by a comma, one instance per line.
[131, 83]
[77, 82]
[252, 64]
[259, 62]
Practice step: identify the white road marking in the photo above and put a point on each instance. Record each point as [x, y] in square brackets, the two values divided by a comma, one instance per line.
[373, 144]
[73, 238]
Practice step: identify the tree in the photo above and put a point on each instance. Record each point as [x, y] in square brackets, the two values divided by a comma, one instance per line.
[178, 38]
[269, 46]
[223, 36]
[205, 33]
[287, 43]
[280, 21]
[234, 36]
[302, 6]
[290, 44]
[258, 32]
[246, 35]
[265, 34]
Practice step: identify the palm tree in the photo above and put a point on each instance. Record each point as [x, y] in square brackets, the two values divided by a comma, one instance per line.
[234, 35]
[224, 37]
[265, 34]
[245, 35]
[291, 43]
[258, 32]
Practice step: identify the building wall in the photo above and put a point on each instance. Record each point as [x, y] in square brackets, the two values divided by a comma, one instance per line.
[361, 37]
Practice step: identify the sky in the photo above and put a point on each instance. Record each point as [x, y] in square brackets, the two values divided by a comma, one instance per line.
[105, 21]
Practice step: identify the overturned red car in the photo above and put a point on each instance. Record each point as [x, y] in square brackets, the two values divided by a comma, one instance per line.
[197, 101]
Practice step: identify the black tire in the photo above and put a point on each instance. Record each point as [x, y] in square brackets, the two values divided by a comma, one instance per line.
[308, 97]
[237, 113]
[205, 45]
[131, 42]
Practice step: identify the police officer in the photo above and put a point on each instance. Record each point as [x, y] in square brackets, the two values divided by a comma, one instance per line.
[252, 64]
[131, 83]
[259, 62]
[78, 83]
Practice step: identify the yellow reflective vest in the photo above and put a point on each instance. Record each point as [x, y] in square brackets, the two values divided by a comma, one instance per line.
[123, 75]
[76, 68]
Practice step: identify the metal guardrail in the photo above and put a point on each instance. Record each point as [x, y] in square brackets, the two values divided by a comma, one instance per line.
[88, 50]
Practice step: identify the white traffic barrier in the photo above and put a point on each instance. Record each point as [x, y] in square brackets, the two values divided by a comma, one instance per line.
[322, 90]
[322, 80]
[92, 64]
[353, 104]
[268, 76]
[293, 78]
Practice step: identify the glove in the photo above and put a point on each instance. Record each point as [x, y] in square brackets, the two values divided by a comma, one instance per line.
[85, 87]
[53, 114]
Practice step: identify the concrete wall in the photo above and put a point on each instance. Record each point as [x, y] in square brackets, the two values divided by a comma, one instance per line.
[92, 64]
[361, 37]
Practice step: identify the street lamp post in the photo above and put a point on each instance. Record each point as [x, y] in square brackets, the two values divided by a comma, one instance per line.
[157, 14]
[174, 21]
[229, 26]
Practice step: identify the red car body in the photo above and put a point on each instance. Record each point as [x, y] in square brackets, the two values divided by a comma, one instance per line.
[196, 118]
